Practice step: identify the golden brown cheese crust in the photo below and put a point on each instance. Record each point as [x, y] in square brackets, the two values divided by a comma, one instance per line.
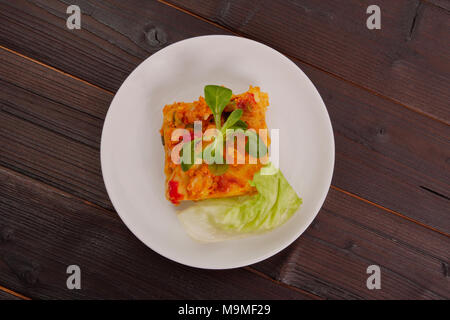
[198, 182]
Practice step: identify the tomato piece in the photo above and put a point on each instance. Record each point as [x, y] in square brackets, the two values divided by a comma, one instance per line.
[174, 196]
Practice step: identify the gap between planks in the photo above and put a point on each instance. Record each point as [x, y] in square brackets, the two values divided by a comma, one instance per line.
[280, 283]
[334, 187]
[13, 293]
[247, 268]
[310, 65]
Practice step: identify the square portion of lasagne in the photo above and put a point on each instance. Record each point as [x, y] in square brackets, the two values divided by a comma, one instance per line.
[199, 182]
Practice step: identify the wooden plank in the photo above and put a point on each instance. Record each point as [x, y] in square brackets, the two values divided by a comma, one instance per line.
[347, 236]
[4, 295]
[444, 4]
[385, 153]
[327, 287]
[114, 38]
[51, 127]
[405, 60]
[329, 260]
[54, 116]
[7, 296]
[388, 154]
[62, 230]
[52, 158]
[422, 240]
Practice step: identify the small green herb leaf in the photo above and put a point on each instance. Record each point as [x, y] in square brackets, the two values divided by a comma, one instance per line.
[232, 119]
[186, 165]
[213, 152]
[239, 125]
[209, 152]
[218, 169]
[217, 98]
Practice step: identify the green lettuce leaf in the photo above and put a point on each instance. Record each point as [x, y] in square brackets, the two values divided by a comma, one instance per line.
[221, 219]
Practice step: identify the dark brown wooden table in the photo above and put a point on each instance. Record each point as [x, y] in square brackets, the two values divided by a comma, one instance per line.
[387, 92]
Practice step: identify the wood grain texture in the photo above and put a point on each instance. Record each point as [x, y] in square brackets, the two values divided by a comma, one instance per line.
[350, 234]
[52, 158]
[115, 36]
[7, 296]
[48, 230]
[388, 154]
[50, 129]
[58, 88]
[347, 236]
[405, 60]
[52, 100]
[329, 260]
[385, 153]
[444, 4]
[347, 228]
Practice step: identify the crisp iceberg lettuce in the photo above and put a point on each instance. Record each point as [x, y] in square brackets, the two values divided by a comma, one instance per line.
[221, 219]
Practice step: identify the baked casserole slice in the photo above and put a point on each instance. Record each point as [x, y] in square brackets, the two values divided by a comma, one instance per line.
[199, 182]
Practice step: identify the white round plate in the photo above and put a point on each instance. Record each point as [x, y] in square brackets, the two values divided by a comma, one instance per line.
[132, 156]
